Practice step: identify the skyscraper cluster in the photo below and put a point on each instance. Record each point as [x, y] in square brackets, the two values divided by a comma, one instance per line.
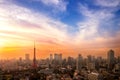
[56, 67]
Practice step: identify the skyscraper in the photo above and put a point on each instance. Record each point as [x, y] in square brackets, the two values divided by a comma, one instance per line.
[34, 58]
[27, 57]
[51, 58]
[79, 63]
[110, 57]
[58, 58]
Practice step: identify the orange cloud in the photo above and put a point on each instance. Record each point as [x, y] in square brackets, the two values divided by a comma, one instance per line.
[21, 27]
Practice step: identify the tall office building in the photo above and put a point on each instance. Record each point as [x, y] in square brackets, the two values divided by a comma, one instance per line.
[70, 61]
[51, 58]
[90, 62]
[110, 58]
[20, 61]
[27, 57]
[58, 58]
[79, 63]
[91, 58]
[55, 56]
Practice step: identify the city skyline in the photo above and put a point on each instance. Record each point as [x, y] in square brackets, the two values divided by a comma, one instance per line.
[34, 57]
[59, 26]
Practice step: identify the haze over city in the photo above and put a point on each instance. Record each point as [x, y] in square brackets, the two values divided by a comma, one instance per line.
[69, 27]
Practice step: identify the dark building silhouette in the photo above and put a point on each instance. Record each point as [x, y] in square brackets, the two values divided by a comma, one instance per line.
[34, 58]
[111, 59]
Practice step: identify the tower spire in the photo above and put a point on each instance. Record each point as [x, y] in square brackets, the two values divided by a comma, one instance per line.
[34, 51]
[34, 58]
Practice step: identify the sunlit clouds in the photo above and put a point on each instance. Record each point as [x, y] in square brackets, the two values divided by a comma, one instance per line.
[21, 25]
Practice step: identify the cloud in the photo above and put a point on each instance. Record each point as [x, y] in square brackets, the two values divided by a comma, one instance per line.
[23, 22]
[97, 23]
[56, 4]
[108, 3]
[88, 27]
[108, 41]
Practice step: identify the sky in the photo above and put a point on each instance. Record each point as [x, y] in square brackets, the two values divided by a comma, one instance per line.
[70, 27]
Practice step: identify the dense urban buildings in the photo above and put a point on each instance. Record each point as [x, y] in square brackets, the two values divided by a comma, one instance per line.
[57, 68]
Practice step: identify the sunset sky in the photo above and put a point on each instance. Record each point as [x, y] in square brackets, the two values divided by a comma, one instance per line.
[88, 27]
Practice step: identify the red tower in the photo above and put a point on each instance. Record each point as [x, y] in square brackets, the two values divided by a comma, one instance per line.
[34, 58]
